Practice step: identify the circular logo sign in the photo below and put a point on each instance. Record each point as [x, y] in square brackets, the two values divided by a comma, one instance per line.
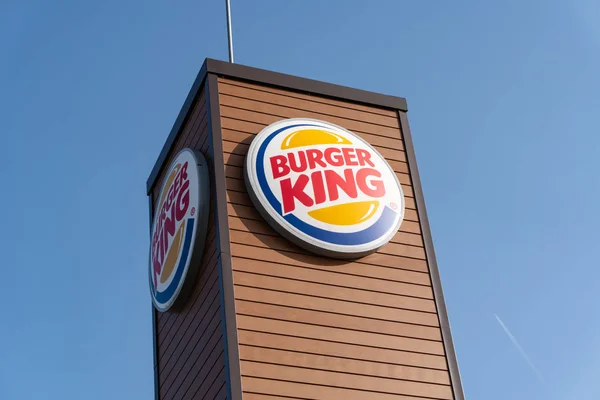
[179, 227]
[324, 188]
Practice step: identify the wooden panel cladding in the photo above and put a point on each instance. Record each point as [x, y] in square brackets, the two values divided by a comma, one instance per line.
[347, 351]
[315, 103]
[311, 327]
[338, 364]
[189, 341]
[352, 381]
[330, 318]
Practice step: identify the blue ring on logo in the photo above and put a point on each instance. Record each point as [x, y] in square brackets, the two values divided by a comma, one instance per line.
[383, 224]
[164, 296]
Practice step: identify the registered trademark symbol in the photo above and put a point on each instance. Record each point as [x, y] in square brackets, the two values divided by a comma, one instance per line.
[193, 211]
[394, 206]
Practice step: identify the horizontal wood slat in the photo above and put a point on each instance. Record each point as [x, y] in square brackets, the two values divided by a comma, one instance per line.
[349, 281]
[265, 267]
[239, 131]
[339, 335]
[383, 260]
[320, 290]
[314, 392]
[308, 105]
[279, 243]
[314, 98]
[331, 298]
[345, 365]
[347, 381]
[255, 396]
[265, 113]
[344, 350]
[401, 327]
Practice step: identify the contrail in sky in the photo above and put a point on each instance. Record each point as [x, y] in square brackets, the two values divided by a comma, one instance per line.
[520, 349]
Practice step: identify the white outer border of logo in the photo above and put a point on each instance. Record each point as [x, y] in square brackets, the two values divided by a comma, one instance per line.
[278, 223]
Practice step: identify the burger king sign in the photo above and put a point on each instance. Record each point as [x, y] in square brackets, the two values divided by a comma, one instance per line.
[179, 228]
[324, 188]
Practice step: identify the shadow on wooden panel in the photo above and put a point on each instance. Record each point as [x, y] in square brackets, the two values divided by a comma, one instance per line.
[293, 250]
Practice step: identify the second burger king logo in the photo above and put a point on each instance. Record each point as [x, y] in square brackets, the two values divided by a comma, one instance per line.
[324, 188]
[179, 228]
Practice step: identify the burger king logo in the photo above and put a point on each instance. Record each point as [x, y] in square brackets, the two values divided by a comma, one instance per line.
[179, 228]
[323, 188]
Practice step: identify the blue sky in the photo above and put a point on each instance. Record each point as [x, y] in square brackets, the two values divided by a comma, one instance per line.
[503, 100]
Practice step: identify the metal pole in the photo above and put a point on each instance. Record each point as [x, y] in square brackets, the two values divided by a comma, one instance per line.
[229, 34]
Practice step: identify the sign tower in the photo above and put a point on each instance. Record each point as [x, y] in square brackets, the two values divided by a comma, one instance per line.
[291, 255]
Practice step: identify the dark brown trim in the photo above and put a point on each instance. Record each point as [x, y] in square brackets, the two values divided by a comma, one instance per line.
[154, 343]
[268, 78]
[232, 357]
[305, 85]
[438, 293]
[155, 354]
